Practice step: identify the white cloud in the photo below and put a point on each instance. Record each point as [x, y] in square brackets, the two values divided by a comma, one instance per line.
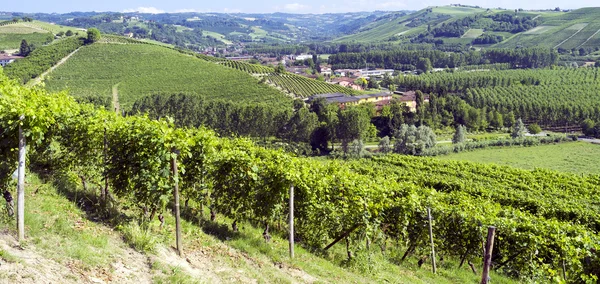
[295, 7]
[146, 10]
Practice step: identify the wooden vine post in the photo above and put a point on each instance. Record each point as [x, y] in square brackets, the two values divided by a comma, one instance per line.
[292, 221]
[487, 259]
[431, 239]
[21, 185]
[176, 209]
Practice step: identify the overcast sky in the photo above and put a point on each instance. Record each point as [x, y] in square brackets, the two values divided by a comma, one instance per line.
[270, 6]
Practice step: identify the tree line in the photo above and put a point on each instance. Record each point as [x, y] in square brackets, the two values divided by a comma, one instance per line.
[398, 59]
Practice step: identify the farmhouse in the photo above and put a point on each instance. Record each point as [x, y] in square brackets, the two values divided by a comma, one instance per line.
[410, 99]
[7, 59]
[347, 82]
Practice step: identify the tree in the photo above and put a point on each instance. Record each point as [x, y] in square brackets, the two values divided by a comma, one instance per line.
[420, 107]
[372, 84]
[69, 33]
[384, 145]
[424, 64]
[588, 127]
[353, 124]
[60, 34]
[93, 35]
[460, 134]
[280, 69]
[509, 119]
[357, 149]
[518, 130]
[534, 128]
[25, 49]
[412, 140]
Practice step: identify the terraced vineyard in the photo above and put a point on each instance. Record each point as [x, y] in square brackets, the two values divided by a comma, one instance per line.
[143, 69]
[304, 87]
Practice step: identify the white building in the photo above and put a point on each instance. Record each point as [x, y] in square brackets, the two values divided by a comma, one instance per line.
[303, 56]
[378, 72]
[7, 59]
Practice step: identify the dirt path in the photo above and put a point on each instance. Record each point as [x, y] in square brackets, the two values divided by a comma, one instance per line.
[115, 98]
[40, 78]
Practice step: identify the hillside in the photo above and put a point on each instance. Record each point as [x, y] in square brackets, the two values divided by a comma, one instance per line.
[575, 29]
[35, 32]
[400, 24]
[566, 30]
[131, 71]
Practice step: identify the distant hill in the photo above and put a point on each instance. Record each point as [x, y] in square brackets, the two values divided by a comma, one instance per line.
[491, 27]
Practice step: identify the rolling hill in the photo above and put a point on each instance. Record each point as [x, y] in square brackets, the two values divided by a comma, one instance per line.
[552, 29]
[575, 29]
[131, 71]
[402, 24]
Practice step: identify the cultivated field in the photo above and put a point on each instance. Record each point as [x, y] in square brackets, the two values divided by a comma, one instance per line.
[473, 33]
[576, 157]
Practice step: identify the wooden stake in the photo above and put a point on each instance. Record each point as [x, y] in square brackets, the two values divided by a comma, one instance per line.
[564, 270]
[21, 185]
[176, 195]
[342, 236]
[487, 259]
[431, 239]
[292, 221]
[104, 193]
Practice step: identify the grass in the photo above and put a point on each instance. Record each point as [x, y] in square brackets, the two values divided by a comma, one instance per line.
[61, 231]
[473, 33]
[13, 41]
[217, 36]
[576, 157]
[142, 69]
[538, 30]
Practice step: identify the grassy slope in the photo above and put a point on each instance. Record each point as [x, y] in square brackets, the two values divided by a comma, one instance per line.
[385, 28]
[558, 27]
[148, 69]
[577, 157]
[63, 245]
[35, 32]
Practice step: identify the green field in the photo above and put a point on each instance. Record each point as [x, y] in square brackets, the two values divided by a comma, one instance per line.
[143, 69]
[576, 157]
[473, 33]
[13, 41]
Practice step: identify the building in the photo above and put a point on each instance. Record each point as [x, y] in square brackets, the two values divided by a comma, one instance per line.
[376, 73]
[410, 99]
[303, 57]
[7, 59]
[326, 71]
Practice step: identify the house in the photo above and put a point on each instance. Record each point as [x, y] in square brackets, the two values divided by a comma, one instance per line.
[7, 59]
[326, 71]
[347, 82]
[129, 35]
[410, 99]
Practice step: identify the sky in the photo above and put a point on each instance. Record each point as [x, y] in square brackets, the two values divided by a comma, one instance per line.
[271, 6]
